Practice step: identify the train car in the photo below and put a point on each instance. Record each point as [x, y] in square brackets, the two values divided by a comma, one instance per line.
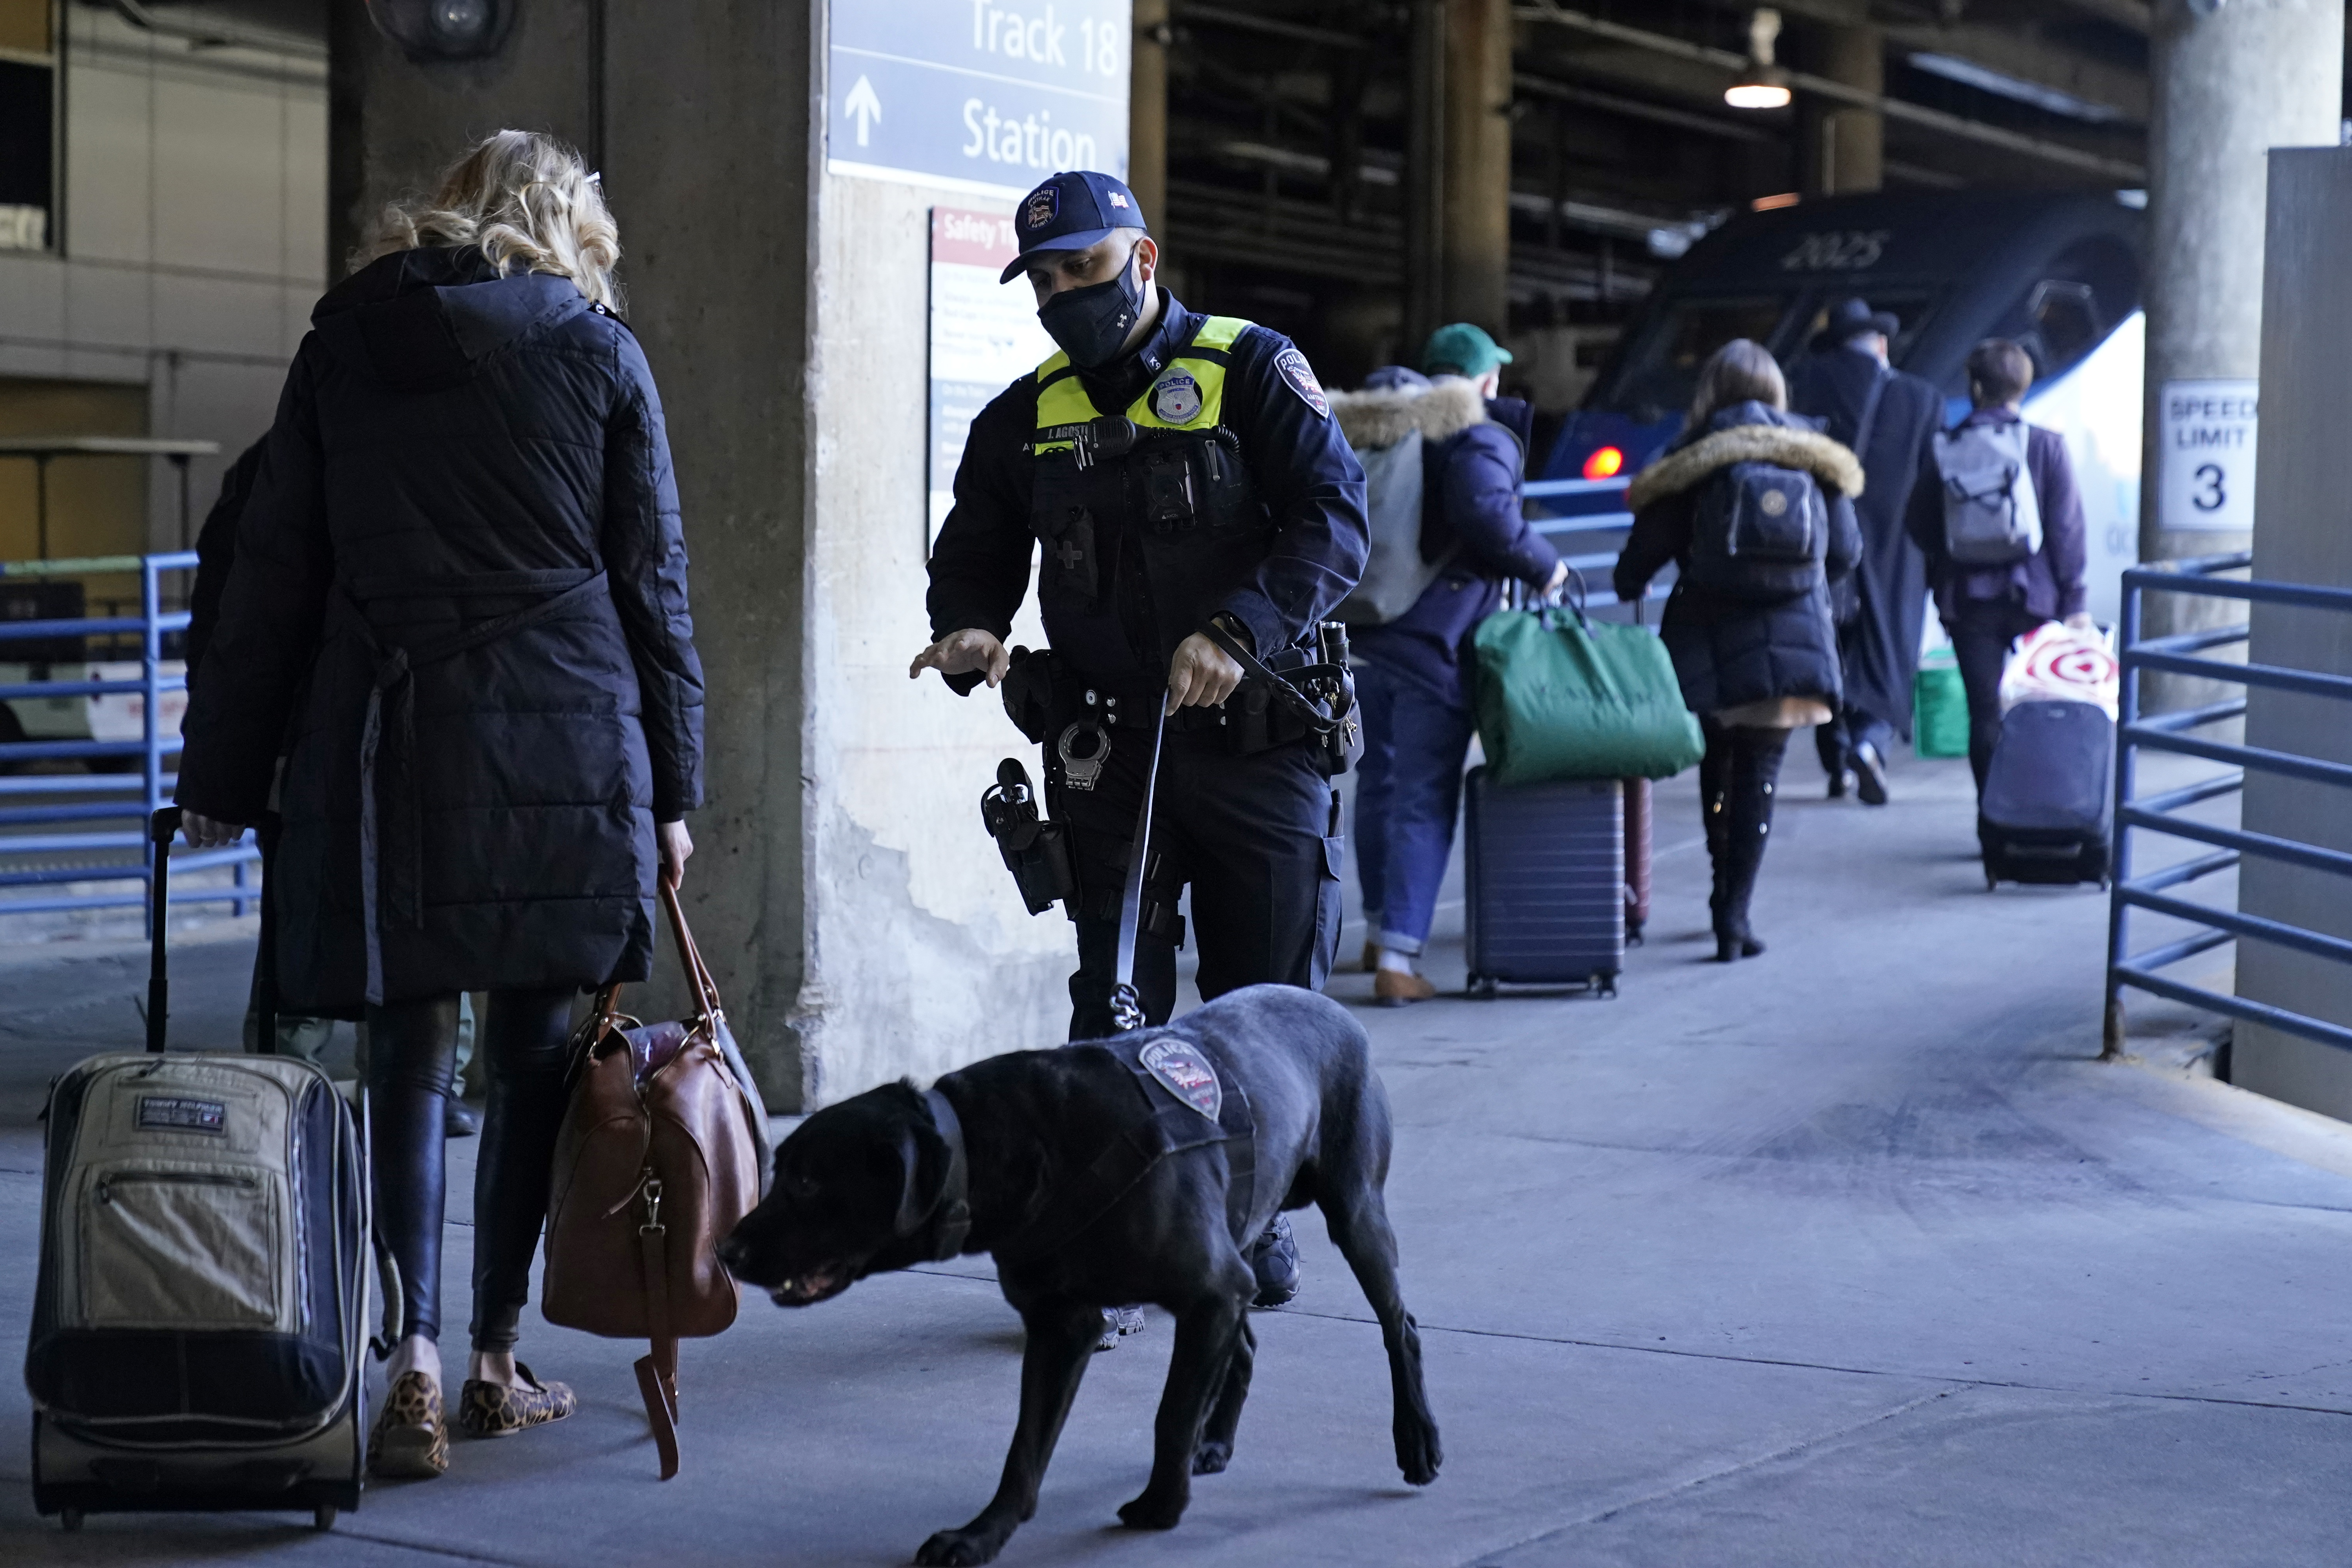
[2058, 272]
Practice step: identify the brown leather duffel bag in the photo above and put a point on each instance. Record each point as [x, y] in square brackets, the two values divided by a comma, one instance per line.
[664, 1147]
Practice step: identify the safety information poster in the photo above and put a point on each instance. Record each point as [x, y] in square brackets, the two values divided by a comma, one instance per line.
[988, 96]
[2206, 478]
[984, 335]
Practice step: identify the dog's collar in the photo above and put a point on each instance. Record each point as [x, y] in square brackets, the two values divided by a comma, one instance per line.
[952, 1219]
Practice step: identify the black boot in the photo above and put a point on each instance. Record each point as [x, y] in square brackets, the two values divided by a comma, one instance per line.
[1274, 1260]
[1713, 781]
[1747, 824]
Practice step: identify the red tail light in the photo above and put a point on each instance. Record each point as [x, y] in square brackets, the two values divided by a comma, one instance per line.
[1604, 464]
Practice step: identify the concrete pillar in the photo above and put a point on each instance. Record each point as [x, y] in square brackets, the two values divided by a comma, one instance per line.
[1843, 148]
[2227, 83]
[1424, 176]
[2299, 537]
[858, 921]
[1476, 197]
[1147, 112]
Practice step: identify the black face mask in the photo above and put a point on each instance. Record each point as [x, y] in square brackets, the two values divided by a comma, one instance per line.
[1091, 323]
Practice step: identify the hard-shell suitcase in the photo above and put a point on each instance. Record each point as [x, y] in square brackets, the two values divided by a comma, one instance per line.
[1637, 859]
[1546, 865]
[199, 1326]
[2049, 797]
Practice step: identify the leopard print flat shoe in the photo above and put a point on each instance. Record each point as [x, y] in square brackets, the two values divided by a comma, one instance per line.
[410, 1440]
[498, 1410]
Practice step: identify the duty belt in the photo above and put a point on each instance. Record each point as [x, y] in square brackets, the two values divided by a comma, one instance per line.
[388, 735]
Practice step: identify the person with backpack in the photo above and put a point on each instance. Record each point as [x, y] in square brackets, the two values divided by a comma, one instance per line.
[2001, 521]
[1443, 455]
[1888, 419]
[1755, 508]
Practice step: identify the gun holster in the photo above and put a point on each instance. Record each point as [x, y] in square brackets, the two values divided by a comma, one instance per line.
[1036, 691]
[1037, 852]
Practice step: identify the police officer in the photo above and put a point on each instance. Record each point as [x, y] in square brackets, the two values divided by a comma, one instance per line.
[1174, 475]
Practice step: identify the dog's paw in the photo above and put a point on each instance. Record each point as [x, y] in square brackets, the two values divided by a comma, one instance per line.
[1211, 1458]
[1417, 1451]
[1153, 1512]
[959, 1549]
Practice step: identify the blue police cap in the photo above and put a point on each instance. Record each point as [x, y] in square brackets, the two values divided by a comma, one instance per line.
[1070, 212]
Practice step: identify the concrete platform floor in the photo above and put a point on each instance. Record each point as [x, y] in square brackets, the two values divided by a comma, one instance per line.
[1849, 1255]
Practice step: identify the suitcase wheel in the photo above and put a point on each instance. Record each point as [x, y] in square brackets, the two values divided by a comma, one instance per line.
[1604, 984]
[1481, 988]
[69, 1519]
[323, 1517]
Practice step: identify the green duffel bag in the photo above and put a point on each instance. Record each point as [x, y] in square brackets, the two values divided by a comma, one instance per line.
[1562, 697]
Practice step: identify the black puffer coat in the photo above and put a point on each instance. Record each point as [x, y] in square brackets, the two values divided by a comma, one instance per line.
[458, 609]
[1730, 652]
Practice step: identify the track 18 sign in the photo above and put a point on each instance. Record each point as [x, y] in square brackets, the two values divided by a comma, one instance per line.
[981, 95]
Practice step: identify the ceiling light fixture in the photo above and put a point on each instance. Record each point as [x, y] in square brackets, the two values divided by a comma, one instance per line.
[1763, 85]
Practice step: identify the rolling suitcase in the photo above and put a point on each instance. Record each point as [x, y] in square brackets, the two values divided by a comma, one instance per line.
[199, 1330]
[1545, 873]
[1637, 859]
[2049, 798]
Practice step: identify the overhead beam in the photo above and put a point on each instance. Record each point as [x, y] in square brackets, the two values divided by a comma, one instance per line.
[1636, 108]
[1977, 131]
[2030, 59]
[1270, 26]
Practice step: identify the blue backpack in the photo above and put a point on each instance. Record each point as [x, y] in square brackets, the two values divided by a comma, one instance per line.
[1760, 534]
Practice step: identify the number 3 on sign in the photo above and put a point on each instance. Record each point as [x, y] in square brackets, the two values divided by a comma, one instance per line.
[2212, 494]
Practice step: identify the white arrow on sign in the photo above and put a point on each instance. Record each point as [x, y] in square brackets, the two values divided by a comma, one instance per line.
[863, 106]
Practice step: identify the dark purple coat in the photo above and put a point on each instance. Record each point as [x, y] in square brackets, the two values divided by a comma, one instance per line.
[2049, 583]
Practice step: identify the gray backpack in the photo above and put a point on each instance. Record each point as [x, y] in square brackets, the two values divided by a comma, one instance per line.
[1395, 576]
[1991, 516]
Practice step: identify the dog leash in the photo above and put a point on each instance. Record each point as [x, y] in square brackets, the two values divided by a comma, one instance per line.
[1126, 1002]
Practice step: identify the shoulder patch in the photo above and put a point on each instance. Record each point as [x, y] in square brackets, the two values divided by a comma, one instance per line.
[1183, 1071]
[1301, 377]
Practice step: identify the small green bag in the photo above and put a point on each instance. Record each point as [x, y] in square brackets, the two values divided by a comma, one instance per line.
[1940, 705]
[1562, 697]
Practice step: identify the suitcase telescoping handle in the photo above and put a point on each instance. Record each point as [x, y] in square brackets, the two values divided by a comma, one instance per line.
[159, 829]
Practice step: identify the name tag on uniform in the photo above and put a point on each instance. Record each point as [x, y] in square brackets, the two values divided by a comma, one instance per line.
[1177, 398]
[1186, 1073]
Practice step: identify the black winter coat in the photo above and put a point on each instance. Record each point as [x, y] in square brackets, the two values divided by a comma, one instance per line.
[458, 609]
[1887, 596]
[1729, 652]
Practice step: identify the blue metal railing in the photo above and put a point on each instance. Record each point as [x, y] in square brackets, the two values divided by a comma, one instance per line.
[1586, 520]
[2181, 655]
[61, 859]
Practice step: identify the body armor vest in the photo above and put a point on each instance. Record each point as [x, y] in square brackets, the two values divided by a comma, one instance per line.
[1147, 520]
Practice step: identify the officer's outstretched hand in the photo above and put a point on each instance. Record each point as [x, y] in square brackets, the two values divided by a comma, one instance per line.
[963, 653]
[1202, 675]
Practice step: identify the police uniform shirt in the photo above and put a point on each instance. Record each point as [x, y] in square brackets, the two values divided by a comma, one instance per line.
[1306, 476]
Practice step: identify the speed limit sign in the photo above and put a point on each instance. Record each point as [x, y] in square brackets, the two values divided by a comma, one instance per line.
[2206, 475]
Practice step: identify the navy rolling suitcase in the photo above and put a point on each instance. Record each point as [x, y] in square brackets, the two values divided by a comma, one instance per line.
[2048, 809]
[1545, 872]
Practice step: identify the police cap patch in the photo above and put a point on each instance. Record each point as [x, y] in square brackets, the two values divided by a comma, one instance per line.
[1043, 203]
[1186, 1074]
[1301, 377]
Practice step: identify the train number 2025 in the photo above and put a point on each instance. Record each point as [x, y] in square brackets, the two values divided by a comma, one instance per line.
[1837, 250]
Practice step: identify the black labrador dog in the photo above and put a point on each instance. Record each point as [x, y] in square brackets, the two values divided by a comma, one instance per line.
[1127, 1170]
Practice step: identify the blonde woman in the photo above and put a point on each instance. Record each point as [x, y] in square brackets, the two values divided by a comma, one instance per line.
[457, 611]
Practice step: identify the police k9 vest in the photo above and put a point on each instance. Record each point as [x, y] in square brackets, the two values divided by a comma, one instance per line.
[1147, 520]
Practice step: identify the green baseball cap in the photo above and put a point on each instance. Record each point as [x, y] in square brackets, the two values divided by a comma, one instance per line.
[1460, 346]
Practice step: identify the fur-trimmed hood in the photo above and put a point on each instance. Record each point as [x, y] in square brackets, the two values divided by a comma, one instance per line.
[1371, 420]
[1829, 461]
